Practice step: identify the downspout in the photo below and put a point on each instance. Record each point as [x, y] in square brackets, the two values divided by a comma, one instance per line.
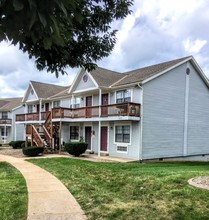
[99, 129]
[141, 120]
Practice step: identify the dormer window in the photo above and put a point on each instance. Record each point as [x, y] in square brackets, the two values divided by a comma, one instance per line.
[31, 92]
[123, 96]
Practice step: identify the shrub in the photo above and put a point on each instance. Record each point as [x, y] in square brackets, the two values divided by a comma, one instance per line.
[76, 148]
[11, 143]
[0, 145]
[16, 144]
[23, 144]
[32, 151]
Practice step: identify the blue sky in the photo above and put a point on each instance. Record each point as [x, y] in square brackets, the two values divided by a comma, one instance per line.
[156, 31]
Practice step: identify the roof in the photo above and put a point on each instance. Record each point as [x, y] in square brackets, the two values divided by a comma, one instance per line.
[61, 94]
[45, 90]
[144, 73]
[105, 77]
[7, 104]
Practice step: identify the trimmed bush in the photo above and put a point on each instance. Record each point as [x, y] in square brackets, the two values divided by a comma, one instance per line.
[32, 151]
[0, 145]
[16, 144]
[23, 144]
[76, 148]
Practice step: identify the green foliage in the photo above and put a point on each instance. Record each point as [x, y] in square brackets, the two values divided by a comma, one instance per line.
[13, 193]
[32, 151]
[133, 190]
[23, 144]
[0, 145]
[62, 33]
[75, 148]
[16, 144]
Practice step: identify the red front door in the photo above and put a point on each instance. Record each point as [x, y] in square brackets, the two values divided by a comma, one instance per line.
[88, 104]
[88, 137]
[104, 110]
[103, 138]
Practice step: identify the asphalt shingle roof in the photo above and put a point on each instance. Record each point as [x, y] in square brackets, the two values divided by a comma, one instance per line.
[105, 77]
[141, 74]
[7, 104]
[45, 90]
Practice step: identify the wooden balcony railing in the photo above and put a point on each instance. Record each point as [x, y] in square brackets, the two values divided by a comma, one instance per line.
[7, 121]
[123, 109]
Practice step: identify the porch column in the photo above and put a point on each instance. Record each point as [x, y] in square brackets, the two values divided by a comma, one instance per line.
[5, 136]
[40, 107]
[99, 130]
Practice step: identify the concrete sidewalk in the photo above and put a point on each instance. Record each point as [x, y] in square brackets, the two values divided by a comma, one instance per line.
[48, 198]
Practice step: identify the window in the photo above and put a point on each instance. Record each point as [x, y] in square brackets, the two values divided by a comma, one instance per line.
[123, 96]
[75, 103]
[30, 108]
[3, 133]
[122, 134]
[4, 115]
[56, 104]
[74, 133]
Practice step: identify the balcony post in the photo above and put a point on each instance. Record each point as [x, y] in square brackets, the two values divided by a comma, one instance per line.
[40, 107]
[99, 131]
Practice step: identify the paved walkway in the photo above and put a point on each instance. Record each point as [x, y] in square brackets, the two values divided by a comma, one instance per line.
[48, 198]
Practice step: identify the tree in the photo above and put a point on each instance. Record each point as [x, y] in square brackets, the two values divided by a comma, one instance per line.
[62, 33]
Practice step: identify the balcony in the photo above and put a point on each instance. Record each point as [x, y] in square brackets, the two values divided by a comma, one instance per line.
[104, 111]
[7, 121]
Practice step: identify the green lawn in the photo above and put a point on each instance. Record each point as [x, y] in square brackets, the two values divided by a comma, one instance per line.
[13, 193]
[133, 190]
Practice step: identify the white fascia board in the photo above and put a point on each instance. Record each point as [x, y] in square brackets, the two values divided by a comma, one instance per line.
[165, 71]
[86, 90]
[93, 80]
[199, 70]
[80, 72]
[17, 107]
[26, 93]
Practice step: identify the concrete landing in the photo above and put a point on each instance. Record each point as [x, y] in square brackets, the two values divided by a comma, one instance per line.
[48, 198]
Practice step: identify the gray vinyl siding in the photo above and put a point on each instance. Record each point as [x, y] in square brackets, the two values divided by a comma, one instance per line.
[198, 115]
[65, 103]
[65, 132]
[18, 128]
[163, 115]
[85, 85]
[133, 147]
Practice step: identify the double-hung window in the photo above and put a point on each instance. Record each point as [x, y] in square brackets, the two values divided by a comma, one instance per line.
[30, 108]
[4, 115]
[122, 133]
[74, 133]
[123, 96]
[56, 104]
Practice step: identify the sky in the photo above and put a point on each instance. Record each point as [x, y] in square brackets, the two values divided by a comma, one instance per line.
[156, 31]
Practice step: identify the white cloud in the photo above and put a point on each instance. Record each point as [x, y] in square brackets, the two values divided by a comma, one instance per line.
[194, 46]
[156, 31]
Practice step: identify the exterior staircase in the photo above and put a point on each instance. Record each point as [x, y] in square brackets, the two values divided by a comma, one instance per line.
[43, 135]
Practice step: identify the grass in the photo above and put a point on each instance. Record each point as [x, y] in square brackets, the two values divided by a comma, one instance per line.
[133, 190]
[13, 193]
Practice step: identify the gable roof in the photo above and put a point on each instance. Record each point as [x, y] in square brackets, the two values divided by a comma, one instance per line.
[105, 77]
[62, 94]
[139, 75]
[7, 104]
[45, 90]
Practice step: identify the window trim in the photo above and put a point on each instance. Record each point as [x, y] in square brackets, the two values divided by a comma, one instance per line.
[123, 90]
[78, 133]
[123, 143]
